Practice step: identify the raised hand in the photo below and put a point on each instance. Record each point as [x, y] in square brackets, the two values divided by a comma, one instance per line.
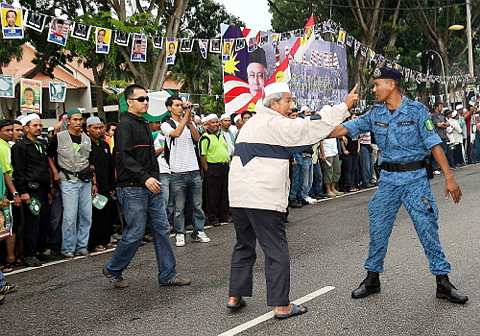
[352, 98]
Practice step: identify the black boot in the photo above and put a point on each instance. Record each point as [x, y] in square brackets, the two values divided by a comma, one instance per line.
[446, 290]
[370, 285]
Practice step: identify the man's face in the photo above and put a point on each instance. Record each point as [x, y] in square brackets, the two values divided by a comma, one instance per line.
[138, 48]
[18, 131]
[136, 106]
[171, 49]
[59, 28]
[239, 123]
[154, 126]
[75, 122]
[6, 133]
[213, 126]
[11, 18]
[112, 130]
[246, 117]
[34, 128]
[29, 97]
[177, 108]
[101, 36]
[95, 131]
[382, 88]
[439, 108]
[256, 78]
[226, 123]
[283, 106]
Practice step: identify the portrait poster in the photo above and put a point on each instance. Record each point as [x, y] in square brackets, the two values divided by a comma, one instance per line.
[12, 22]
[139, 48]
[35, 21]
[58, 31]
[57, 92]
[203, 46]
[171, 46]
[215, 46]
[6, 222]
[81, 31]
[7, 87]
[30, 96]
[103, 37]
[122, 38]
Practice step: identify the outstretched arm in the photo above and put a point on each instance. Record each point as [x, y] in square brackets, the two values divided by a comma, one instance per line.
[338, 132]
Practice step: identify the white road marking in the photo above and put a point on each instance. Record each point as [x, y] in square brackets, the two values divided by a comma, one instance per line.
[269, 315]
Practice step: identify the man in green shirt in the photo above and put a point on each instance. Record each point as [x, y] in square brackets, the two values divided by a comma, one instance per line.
[215, 164]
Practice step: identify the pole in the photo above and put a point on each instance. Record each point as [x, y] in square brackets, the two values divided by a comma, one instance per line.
[443, 72]
[469, 37]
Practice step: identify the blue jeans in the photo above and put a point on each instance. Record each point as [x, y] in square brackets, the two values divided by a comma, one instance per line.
[139, 205]
[2, 279]
[297, 178]
[317, 185]
[477, 146]
[77, 215]
[167, 195]
[182, 183]
[365, 164]
[307, 172]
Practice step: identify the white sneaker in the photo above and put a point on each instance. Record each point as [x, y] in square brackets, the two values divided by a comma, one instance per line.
[436, 172]
[310, 200]
[180, 240]
[201, 237]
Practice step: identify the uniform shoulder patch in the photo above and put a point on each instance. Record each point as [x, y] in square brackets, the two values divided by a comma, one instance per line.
[429, 125]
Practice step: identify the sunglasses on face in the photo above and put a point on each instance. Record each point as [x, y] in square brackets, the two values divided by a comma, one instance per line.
[141, 99]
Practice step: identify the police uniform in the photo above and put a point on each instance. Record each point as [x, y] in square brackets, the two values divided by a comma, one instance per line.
[404, 136]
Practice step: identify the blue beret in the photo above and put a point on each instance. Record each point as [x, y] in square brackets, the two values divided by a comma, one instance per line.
[387, 73]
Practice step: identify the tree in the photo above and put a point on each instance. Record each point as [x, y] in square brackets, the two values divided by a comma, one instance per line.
[10, 49]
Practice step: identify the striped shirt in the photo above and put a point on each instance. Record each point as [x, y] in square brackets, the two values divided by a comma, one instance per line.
[365, 139]
[182, 151]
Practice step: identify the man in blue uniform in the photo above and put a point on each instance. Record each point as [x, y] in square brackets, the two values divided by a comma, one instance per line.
[404, 134]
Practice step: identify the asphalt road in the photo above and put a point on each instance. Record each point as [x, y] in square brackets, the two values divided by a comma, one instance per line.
[328, 244]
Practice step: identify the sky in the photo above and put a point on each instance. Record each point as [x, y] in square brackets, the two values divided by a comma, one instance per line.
[261, 18]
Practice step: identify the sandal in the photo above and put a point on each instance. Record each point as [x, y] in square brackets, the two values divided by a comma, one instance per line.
[241, 303]
[7, 268]
[296, 310]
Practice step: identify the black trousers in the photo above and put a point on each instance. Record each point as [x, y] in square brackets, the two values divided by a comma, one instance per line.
[102, 225]
[216, 183]
[269, 228]
[36, 229]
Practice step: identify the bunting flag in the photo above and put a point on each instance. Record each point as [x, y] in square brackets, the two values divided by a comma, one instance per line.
[35, 21]
[215, 46]
[342, 35]
[157, 42]
[103, 38]
[171, 47]
[305, 42]
[203, 46]
[81, 31]
[122, 38]
[139, 48]
[186, 45]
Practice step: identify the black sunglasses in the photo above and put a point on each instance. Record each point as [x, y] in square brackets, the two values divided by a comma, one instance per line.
[141, 99]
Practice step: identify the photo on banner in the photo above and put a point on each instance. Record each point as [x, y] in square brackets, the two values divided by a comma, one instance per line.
[12, 22]
[30, 96]
[171, 46]
[81, 31]
[6, 222]
[186, 45]
[7, 86]
[103, 37]
[58, 32]
[203, 46]
[314, 83]
[35, 21]
[122, 38]
[139, 48]
[215, 46]
[227, 50]
[57, 92]
[157, 41]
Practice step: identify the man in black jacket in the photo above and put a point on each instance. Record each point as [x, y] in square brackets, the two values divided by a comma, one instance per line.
[139, 194]
[32, 179]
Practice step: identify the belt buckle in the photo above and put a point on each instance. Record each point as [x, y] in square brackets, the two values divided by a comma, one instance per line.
[403, 167]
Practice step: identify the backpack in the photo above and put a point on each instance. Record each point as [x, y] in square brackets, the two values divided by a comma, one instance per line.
[166, 153]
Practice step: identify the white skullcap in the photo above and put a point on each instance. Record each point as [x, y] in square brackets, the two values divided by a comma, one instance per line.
[26, 119]
[454, 114]
[225, 116]
[197, 118]
[278, 87]
[210, 117]
[304, 108]
[237, 118]
[51, 128]
[459, 107]
[204, 120]
[93, 120]
[465, 110]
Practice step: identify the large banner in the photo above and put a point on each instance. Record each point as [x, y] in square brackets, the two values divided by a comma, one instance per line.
[316, 70]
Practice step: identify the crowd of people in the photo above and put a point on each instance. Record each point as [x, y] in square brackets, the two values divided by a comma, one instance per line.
[68, 189]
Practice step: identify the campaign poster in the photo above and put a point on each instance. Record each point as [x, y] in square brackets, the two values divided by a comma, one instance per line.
[35, 21]
[81, 31]
[12, 22]
[58, 32]
[122, 38]
[171, 45]
[30, 96]
[139, 48]
[57, 92]
[7, 87]
[317, 75]
[103, 37]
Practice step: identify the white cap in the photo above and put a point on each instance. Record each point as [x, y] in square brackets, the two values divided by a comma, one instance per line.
[210, 117]
[225, 116]
[26, 119]
[454, 114]
[197, 118]
[459, 107]
[465, 110]
[237, 118]
[304, 108]
[51, 128]
[278, 87]
[93, 120]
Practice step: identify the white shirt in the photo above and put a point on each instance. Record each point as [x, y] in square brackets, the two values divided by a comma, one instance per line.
[182, 152]
[160, 142]
[230, 142]
[330, 148]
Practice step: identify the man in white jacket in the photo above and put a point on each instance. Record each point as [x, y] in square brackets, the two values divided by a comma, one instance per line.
[259, 187]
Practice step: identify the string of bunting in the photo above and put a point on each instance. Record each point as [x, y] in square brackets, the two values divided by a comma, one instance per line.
[14, 19]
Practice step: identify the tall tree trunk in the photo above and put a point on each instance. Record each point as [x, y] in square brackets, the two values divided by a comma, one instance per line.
[99, 79]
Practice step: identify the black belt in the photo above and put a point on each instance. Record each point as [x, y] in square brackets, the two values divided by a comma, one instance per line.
[219, 164]
[403, 167]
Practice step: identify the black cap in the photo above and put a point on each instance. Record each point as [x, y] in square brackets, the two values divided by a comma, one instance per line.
[387, 73]
[5, 122]
[257, 56]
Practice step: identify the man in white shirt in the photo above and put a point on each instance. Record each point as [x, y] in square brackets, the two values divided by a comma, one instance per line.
[181, 133]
